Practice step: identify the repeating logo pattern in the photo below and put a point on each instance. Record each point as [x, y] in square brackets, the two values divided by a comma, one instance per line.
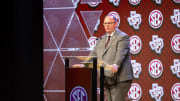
[155, 19]
[175, 68]
[78, 93]
[176, 17]
[134, 2]
[155, 68]
[157, 1]
[175, 92]
[135, 92]
[134, 19]
[136, 68]
[156, 92]
[156, 44]
[175, 43]
[135, 44]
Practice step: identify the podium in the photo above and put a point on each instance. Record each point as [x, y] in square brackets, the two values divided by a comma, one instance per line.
[81, 83]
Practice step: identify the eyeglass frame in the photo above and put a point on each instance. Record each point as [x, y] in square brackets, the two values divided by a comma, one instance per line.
[108, 23]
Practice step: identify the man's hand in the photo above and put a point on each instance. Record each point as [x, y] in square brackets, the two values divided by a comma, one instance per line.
[114, 68]
[77, 66]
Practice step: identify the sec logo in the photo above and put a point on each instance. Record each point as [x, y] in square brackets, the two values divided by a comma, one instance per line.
[155, 68]
[176, 1]
[135, 92]
[113, 13]
[78, 93]
[135, 44]
[155, 19]
[175, 92]
[92, 42]
[175, 43]
[93, 4]
[134, 2]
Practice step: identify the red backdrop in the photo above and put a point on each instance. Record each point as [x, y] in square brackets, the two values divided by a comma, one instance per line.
[68, 26]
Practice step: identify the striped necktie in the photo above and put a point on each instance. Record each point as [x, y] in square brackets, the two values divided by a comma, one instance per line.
[107, 41]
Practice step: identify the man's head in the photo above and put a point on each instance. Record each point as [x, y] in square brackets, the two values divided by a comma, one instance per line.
[110, 23]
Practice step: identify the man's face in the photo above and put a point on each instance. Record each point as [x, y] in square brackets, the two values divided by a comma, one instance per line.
[109, 24]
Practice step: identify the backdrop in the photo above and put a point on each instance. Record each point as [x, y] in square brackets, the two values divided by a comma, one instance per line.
[71, 27]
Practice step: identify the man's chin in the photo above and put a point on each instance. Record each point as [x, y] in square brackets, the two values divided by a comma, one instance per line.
[108, 32]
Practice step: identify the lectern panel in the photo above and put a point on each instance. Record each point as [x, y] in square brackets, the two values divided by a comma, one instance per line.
[78, 84]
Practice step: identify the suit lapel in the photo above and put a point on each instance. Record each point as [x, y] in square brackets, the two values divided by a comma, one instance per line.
[104, 42]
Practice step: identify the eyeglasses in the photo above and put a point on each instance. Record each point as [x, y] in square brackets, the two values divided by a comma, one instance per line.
[108, 23]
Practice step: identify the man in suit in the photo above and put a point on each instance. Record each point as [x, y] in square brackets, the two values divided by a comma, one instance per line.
[113, 49]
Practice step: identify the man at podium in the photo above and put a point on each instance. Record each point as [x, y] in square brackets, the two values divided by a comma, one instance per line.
[113, 49]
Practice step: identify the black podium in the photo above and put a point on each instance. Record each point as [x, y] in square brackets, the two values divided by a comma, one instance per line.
[81, 83]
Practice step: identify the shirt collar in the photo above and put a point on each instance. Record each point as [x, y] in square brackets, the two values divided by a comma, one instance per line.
[111, 34]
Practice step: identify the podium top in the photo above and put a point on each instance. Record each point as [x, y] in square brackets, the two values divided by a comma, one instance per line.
[79, 56]
[87, 61]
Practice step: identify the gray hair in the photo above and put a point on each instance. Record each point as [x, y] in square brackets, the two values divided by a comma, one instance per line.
[115, 19]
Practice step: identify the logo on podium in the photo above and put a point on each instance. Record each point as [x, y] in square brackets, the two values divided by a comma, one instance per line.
[78, 93]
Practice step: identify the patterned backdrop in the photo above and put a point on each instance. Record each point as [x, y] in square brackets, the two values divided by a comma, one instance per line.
[71, 27]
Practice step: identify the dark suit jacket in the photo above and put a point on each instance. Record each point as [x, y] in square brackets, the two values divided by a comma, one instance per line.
[117, 52]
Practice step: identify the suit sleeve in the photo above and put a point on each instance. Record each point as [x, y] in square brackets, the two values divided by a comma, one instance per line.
[122, 50]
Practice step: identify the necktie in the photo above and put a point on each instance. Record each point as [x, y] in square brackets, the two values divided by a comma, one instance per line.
[107, 41]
